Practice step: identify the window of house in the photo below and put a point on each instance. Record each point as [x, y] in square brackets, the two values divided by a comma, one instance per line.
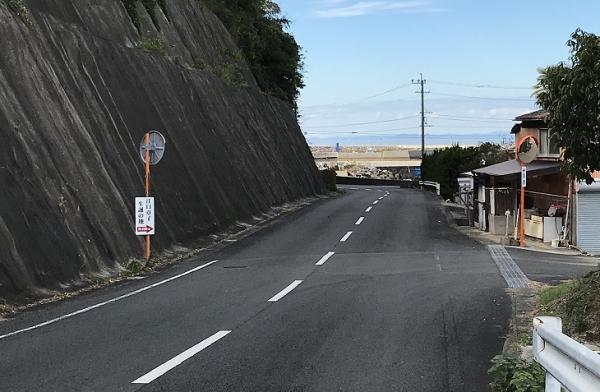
[548, 144]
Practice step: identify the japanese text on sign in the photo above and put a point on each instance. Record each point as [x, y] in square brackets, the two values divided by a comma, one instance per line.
[144, 216]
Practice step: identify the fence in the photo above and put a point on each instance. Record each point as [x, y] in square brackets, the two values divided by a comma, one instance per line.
[431, 184]
[567, 363]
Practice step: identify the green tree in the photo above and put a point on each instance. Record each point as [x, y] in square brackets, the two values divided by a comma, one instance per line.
[445, 165]
[571, 94]
[272, 53]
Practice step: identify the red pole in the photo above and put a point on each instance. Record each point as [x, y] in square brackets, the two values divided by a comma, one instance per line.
[147, 159]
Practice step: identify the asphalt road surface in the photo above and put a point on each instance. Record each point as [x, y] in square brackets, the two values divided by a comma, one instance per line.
[552, 268]
[399, 301]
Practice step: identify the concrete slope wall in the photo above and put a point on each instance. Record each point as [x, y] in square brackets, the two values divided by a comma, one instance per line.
[76, 97]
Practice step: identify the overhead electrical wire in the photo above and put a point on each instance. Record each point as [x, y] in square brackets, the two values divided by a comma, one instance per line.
[441, 117]
[468, 120]
[362, 131]
[376, 95]
[484, 98]
[477, 85]
[415, 128]
[364, 123]
[472, 117]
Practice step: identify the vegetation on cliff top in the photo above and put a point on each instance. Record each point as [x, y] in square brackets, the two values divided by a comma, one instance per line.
[19, 7]
[272, 53]
[261, 33]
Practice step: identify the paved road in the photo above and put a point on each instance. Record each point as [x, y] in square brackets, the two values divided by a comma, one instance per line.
[552, 268]
[405, 303]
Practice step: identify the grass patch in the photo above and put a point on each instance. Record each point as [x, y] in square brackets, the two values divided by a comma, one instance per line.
[229, 69]
[19, 8]
[152, 45]
[551, 294]
[577, 303]
[512, 374]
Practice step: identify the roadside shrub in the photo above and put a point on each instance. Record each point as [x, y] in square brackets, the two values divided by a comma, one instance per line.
[329, 180]
[135, 266]
[512, 374]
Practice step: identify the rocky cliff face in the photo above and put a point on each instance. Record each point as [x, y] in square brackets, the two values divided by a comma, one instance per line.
[77, 93]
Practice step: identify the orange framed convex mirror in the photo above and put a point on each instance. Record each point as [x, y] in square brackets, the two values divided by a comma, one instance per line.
[527, 150]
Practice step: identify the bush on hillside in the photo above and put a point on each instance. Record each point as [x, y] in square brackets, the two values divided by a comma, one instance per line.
[577, 303]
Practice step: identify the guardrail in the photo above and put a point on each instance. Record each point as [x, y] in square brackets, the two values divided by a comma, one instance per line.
[435, 185]
[374, 182]
[567, 363]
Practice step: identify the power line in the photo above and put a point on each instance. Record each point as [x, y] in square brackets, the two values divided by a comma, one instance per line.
[470, 120]
[482, 86]
[485, 98]
[473, 117]
[399, 87]
[363, 132]
[364, 123]
[469, 126]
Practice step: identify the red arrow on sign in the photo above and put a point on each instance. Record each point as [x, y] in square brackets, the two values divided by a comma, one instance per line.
[146, 229]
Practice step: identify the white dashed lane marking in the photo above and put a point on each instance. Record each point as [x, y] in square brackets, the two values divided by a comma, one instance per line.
[110, 301]
[285, 291]
[369, 209]
[179, 359]
[346, 236]
[325, 258]
[360, 220]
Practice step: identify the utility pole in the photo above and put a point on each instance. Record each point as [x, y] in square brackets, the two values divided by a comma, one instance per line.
[421, 82]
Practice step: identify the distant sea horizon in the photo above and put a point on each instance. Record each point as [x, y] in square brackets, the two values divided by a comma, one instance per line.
[412, 140]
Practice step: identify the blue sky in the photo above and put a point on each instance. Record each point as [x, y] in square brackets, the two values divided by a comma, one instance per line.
[355, 49]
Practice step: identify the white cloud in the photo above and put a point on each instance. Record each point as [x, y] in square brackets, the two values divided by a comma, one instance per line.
[347, 8]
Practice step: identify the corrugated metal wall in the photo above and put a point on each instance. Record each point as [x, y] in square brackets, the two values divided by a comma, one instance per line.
[588, 220]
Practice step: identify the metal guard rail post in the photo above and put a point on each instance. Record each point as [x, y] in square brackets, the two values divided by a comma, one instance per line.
[436, 185]
[567, 362]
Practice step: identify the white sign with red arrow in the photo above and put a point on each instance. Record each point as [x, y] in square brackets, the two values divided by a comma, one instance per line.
[144, 216]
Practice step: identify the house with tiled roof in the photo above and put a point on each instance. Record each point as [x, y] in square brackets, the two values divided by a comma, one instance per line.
[556, 207]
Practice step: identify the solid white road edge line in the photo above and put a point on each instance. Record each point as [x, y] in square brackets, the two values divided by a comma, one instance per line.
[110, 301]
[346, 236]
[360, 220]
[369, 209]
[285, 291]
[179, 359]
[325, 258]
